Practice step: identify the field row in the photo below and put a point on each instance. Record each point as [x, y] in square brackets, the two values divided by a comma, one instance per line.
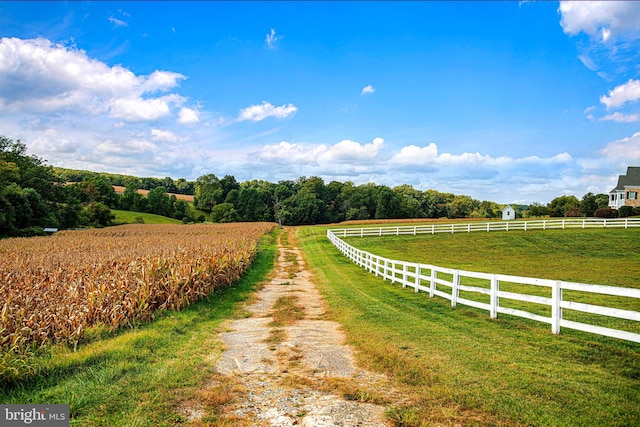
[53, 288]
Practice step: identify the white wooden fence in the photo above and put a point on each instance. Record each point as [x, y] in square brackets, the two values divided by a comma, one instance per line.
[425, 277]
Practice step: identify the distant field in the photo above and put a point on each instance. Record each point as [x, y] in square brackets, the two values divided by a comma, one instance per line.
[119, 189]
[129, 217]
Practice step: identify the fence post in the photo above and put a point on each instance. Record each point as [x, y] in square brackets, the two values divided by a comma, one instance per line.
[556, 310]
[404, 274]
[454, 288]
[432, 282]
[494, 296]
[393, 271]
[417, 282]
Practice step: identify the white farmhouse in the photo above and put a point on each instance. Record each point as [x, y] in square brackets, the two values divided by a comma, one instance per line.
[508, 213]
[627, 190]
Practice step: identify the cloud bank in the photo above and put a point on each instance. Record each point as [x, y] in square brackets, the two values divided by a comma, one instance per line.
[38, 76]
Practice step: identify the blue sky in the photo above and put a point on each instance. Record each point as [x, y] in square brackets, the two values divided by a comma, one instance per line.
[514, 102]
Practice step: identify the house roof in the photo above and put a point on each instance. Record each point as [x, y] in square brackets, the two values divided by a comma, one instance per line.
[631, 178]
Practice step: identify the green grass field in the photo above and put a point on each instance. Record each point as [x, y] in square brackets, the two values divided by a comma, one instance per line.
[599, 256]
[457, 365]
[596, 256]
[129, 217]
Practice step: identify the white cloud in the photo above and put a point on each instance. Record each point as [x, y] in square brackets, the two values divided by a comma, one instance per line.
[428, 157]
[131, 147]
[588, 62]
[620, 95]
[626, 149]
[285, 151]
[117, 22]
[588, 112]
[414, 155]
[38, 76]
[367, 90]
[160, 81]
[603, 19]
[164, 136]
[138, 109]
[271, 39]
[348, 151]
[345, 151]
[621, 117]
[188, 116]
[260, 112]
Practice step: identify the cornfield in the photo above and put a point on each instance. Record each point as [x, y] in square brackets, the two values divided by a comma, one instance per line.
[53, 288]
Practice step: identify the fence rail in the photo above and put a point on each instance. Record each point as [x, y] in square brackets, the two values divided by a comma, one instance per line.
[426, 277]
[547, 224]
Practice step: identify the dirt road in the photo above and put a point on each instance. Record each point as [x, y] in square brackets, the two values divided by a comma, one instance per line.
[285, 364]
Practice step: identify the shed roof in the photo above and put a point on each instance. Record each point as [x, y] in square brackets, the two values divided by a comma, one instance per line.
[631, 178]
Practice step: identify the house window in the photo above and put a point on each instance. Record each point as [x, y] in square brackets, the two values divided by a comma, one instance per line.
[632, 195]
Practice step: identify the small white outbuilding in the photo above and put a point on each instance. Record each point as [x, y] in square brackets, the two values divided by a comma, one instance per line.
[508, 213]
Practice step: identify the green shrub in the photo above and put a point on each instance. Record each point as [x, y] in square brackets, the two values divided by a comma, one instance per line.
[606, 213]
[573, 213]
[625, 211]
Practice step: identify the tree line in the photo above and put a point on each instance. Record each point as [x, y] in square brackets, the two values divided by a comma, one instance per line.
[34, 195]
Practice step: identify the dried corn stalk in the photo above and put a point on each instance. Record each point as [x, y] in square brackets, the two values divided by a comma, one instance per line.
[53, 288]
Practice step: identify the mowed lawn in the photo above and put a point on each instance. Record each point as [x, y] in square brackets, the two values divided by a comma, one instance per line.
[598, 256]
[595, 256]
[459, 366]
